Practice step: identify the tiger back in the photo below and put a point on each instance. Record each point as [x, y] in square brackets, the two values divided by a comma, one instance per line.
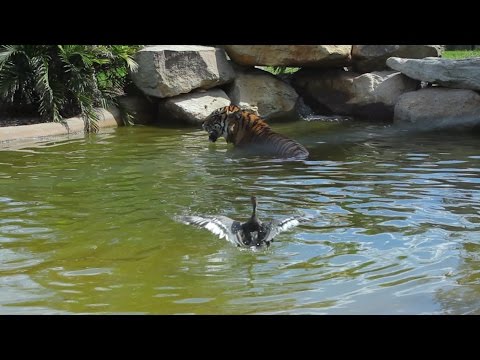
[249, 131]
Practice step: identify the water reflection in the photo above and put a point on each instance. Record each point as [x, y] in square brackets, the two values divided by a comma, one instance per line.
[86, 224]
[463, 295]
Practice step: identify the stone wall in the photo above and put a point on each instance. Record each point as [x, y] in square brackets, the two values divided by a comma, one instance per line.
[374, 82]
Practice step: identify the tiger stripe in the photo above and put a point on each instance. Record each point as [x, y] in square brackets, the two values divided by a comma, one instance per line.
[245, 129]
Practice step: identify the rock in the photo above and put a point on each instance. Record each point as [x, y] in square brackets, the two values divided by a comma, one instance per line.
[290, 55]
[371, 95]
[261, 92]
[194, 107]
[380, 87]
[461, 74]
[170, 70]
[143, 110]
[436, 108]
[325, 91]
[368, 58]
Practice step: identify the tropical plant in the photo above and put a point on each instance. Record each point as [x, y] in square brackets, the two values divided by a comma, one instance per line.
[59, 81]
[281, 70]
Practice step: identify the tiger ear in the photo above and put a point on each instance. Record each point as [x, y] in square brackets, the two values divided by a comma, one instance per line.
[232, 108]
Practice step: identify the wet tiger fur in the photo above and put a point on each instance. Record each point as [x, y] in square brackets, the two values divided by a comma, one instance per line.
[249, 131]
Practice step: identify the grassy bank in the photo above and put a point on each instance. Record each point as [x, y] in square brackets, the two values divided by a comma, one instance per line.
[461, 54]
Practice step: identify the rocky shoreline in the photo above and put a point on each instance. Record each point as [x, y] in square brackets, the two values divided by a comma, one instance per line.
[409, 85]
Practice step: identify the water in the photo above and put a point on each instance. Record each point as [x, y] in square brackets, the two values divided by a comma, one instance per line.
[86, 224]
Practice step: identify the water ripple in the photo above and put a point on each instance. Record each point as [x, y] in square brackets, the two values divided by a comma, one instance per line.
[86, 224]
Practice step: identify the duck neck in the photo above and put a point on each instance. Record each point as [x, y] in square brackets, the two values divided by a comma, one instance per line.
[254, 211]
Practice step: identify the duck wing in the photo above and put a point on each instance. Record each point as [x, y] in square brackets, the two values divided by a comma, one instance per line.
[278, 226]
[222, 226]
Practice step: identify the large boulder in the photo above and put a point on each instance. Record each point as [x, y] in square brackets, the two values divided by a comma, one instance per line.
[262, 93]
[461, 74]
[170, 70]
[325, 91]
[290, 55]
[371, 95]
[435, 108]
[380, 87]
[368, 58]
[194, 107]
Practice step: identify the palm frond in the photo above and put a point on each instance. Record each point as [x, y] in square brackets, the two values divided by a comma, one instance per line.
[9, 84]
[132, 64]
[6, 52]
[127, 116]
[48, 101]
[65, 80]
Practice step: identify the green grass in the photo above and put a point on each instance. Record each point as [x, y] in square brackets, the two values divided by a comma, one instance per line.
[461, 54]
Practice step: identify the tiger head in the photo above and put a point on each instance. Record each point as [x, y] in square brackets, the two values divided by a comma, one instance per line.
[218, 122]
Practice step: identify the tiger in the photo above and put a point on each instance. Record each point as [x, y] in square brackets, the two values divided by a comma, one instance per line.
[249, 131]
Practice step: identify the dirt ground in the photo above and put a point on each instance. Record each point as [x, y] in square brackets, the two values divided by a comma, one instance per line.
[19, 121]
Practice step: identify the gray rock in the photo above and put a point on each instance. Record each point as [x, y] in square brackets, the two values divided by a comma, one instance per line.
[194, 107]
[262, 93]
[368, 58]
[326, 91]
[437, 108]
[370, 95]
[380, 87]
[461, 74]
[169, 70]
[290, 55]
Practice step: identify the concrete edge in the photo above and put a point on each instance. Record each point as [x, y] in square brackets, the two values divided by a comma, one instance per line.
[75, 125]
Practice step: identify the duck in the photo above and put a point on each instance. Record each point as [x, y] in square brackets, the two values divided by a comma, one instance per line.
[253, 234]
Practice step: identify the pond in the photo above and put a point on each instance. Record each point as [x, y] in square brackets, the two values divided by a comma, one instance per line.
[86, 224]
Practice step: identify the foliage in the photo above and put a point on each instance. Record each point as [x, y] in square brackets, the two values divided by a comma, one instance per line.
[460, 54]
[280, 70]
[59, 81]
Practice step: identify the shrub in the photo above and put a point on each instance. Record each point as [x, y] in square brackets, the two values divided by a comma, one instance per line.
[60, 81]
[281, 70]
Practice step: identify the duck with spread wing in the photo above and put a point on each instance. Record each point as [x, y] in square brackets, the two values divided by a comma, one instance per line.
[253, 234]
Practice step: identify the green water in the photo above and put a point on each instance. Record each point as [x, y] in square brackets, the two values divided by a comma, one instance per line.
[86, 227]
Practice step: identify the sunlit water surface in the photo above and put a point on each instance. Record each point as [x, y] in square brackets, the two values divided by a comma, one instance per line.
[86, 224]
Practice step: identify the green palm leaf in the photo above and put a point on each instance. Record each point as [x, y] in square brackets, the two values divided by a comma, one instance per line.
[65, 80]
